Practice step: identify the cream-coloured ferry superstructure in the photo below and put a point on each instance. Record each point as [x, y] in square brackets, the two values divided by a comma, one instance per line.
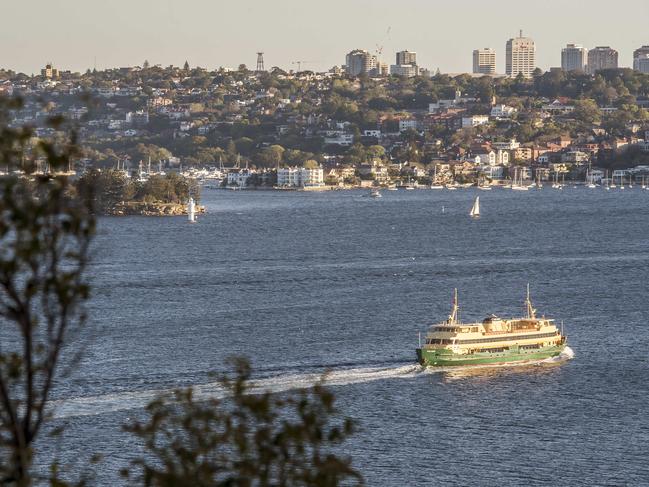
[494, 340]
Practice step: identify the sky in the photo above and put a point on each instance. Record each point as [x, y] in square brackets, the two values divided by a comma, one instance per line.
[81, 34]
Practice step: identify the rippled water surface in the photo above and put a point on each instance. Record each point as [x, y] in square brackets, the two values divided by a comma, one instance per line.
[302, 283]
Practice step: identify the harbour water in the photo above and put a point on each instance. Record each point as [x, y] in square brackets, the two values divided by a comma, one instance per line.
[302, 283]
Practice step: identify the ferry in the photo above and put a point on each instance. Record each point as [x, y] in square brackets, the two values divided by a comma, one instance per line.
[493, 341]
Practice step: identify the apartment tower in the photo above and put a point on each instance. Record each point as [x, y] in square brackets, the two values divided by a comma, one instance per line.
[406, 58]
[360, 61]
[602, 57]
[574, 58]
[484, 61]
[406, 64]
[520, 56]
[640, 59]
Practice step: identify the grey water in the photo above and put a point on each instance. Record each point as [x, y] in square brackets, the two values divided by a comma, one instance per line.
[307, 282]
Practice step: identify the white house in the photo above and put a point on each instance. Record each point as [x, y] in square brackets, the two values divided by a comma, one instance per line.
[556, 107]
[502, 111]
[474, 121]
[512, 144]
[493, 172]
[487, 159]
[239, 178]
[575, 157]
[300, 177]
[337, 137]
[410, 124]
[493, 158]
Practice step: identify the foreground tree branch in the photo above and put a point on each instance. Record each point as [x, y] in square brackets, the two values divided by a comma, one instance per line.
[45, 233]
[247, 439]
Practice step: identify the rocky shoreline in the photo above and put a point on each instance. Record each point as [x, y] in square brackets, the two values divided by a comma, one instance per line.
[140, 208]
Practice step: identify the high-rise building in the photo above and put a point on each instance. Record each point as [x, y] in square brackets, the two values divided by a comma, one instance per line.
[360, 61]
[50, 72]
[520, 57]
[406, 57]
[406, 65]
[574, 58]
[484, 61]
[405, 70]
[640, 56]
[602, 57]
[641, 63]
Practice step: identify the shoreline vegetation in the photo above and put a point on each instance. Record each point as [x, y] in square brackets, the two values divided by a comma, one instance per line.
[113, 193]
[142, 208]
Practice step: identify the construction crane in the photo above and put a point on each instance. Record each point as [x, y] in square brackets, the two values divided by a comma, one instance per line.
[381, 45]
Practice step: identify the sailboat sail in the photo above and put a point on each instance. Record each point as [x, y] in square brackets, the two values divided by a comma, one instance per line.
[475, 210]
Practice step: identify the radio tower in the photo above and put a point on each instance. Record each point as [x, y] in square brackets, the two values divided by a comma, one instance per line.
[260, 61]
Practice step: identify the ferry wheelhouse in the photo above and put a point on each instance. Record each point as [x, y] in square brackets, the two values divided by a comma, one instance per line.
[493, 341]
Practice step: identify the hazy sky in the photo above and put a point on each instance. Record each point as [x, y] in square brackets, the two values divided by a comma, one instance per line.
[73, 33]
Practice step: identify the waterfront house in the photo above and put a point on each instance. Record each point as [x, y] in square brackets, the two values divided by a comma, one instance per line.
[300, 177]
[238, 178]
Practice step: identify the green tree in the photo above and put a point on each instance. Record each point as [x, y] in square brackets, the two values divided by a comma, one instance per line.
[271, 156]
[311, 164]
[375, 152]
[106, 188]
[151, 152]
[587, 112]
[485, 89]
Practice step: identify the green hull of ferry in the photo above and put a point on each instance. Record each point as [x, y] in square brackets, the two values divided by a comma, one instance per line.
[446, 358]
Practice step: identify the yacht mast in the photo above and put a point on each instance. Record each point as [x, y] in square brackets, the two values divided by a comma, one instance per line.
[531, 312]
[453, 318]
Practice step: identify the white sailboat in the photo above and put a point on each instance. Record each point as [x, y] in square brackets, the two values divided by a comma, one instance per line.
[434, 183]
[475, 210]
[517, 183]
[589, 179]
[191, 211]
